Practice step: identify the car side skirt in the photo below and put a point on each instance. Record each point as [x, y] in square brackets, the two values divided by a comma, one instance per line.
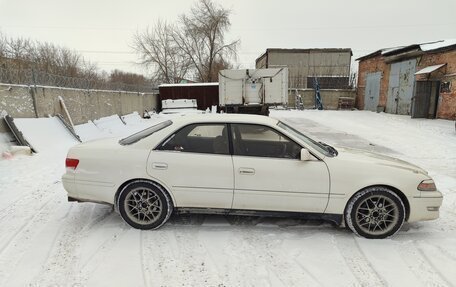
[334, 218]
[80, 200]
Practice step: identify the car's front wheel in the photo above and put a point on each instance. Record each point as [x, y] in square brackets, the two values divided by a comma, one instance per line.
[375, 212]
[144, 205]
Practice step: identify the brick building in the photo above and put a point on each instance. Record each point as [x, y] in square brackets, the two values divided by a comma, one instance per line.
[417, 80]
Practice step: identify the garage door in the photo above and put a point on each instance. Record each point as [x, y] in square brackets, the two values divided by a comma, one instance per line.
[372, 91]
[400, 87]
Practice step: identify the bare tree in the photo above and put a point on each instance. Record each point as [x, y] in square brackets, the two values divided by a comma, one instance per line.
[158, 50]
[55, 65]
[118, 76]
[195, 47]
[202, 37]
[3, 44]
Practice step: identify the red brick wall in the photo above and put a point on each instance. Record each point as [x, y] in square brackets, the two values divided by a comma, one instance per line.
[446, 108]
[372, 65]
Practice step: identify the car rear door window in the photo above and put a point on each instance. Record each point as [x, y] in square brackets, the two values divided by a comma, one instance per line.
[262, 141]
[199, 138]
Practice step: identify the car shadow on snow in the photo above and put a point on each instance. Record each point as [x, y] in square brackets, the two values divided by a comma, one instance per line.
[253, 222]
[409, 231]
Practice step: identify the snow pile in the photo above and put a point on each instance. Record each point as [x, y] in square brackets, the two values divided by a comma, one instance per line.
[112, 124]
[89, 131]
[132, 119]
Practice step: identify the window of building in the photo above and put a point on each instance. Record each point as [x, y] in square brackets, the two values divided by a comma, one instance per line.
[199, 138]
[445, 87]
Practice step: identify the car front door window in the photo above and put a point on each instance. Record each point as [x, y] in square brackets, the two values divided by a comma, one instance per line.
[262, 141]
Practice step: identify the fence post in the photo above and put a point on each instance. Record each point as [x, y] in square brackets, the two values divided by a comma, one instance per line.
[32, 91]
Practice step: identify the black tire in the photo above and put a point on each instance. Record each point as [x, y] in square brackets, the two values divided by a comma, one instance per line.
[375, 213]
[144, 205]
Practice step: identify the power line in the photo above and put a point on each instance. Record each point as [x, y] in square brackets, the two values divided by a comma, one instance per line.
[104, 52]
[235, 29]
[339, 27]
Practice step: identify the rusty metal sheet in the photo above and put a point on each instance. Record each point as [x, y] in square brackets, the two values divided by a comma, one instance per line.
[372, 91]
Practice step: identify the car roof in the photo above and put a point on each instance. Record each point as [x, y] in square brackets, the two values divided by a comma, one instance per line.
[228, 118]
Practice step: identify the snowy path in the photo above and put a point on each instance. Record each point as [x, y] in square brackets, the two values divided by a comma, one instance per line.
[44, 240]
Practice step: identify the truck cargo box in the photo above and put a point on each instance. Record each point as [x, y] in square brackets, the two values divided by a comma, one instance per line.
[248, 87]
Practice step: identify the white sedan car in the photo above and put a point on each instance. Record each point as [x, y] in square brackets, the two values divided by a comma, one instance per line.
[247, 165]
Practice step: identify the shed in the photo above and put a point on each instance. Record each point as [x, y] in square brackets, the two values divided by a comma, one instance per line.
[330, 65]
[206, 94]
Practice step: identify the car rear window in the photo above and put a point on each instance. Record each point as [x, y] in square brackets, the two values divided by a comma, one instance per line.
[144, 133]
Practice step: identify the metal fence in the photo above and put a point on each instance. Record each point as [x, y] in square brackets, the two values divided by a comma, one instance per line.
[33, 77]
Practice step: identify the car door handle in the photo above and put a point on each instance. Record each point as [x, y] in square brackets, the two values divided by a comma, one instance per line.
[159, 165]
[246, 171]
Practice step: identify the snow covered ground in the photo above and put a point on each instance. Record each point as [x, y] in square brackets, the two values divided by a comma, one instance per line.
[44, 240]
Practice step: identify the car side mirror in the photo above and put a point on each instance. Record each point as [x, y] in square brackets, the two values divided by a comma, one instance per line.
[305, 155]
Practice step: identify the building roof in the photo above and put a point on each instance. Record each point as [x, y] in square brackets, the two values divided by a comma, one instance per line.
[307, 50]
[429, 69]
[188, 85]
[447, 44]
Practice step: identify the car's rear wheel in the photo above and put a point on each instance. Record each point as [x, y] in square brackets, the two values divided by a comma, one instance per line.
[144, 205]
[375, 212]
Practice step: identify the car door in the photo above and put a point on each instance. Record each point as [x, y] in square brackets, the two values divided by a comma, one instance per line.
[196, 165]
[269, 174]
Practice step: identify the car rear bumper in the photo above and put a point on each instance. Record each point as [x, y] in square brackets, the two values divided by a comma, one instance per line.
[69, 184]
[425, 208]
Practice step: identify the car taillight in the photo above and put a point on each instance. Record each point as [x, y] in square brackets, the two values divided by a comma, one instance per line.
[71, 163]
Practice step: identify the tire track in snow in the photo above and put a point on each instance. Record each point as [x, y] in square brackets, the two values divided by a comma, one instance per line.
[89, 266]
[174, 255]
[18, 243]
[62, 262]
[426, 258]
[144, 264]
[27, 222]
[420, 265]
[82, 233]
[155, 244]
[357, 262]
[276, 264]
[446, 253]
[193, 257]
[35, 196]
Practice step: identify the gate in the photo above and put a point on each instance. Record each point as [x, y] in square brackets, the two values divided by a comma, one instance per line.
[372, 91]
[400, 88]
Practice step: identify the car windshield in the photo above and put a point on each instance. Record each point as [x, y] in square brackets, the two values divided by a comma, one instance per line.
[144, 133]
[323, 148]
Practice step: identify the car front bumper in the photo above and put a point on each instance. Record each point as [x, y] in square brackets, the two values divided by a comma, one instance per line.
[425, 207]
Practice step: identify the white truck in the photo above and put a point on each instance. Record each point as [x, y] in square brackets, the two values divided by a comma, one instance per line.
[252, 91]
